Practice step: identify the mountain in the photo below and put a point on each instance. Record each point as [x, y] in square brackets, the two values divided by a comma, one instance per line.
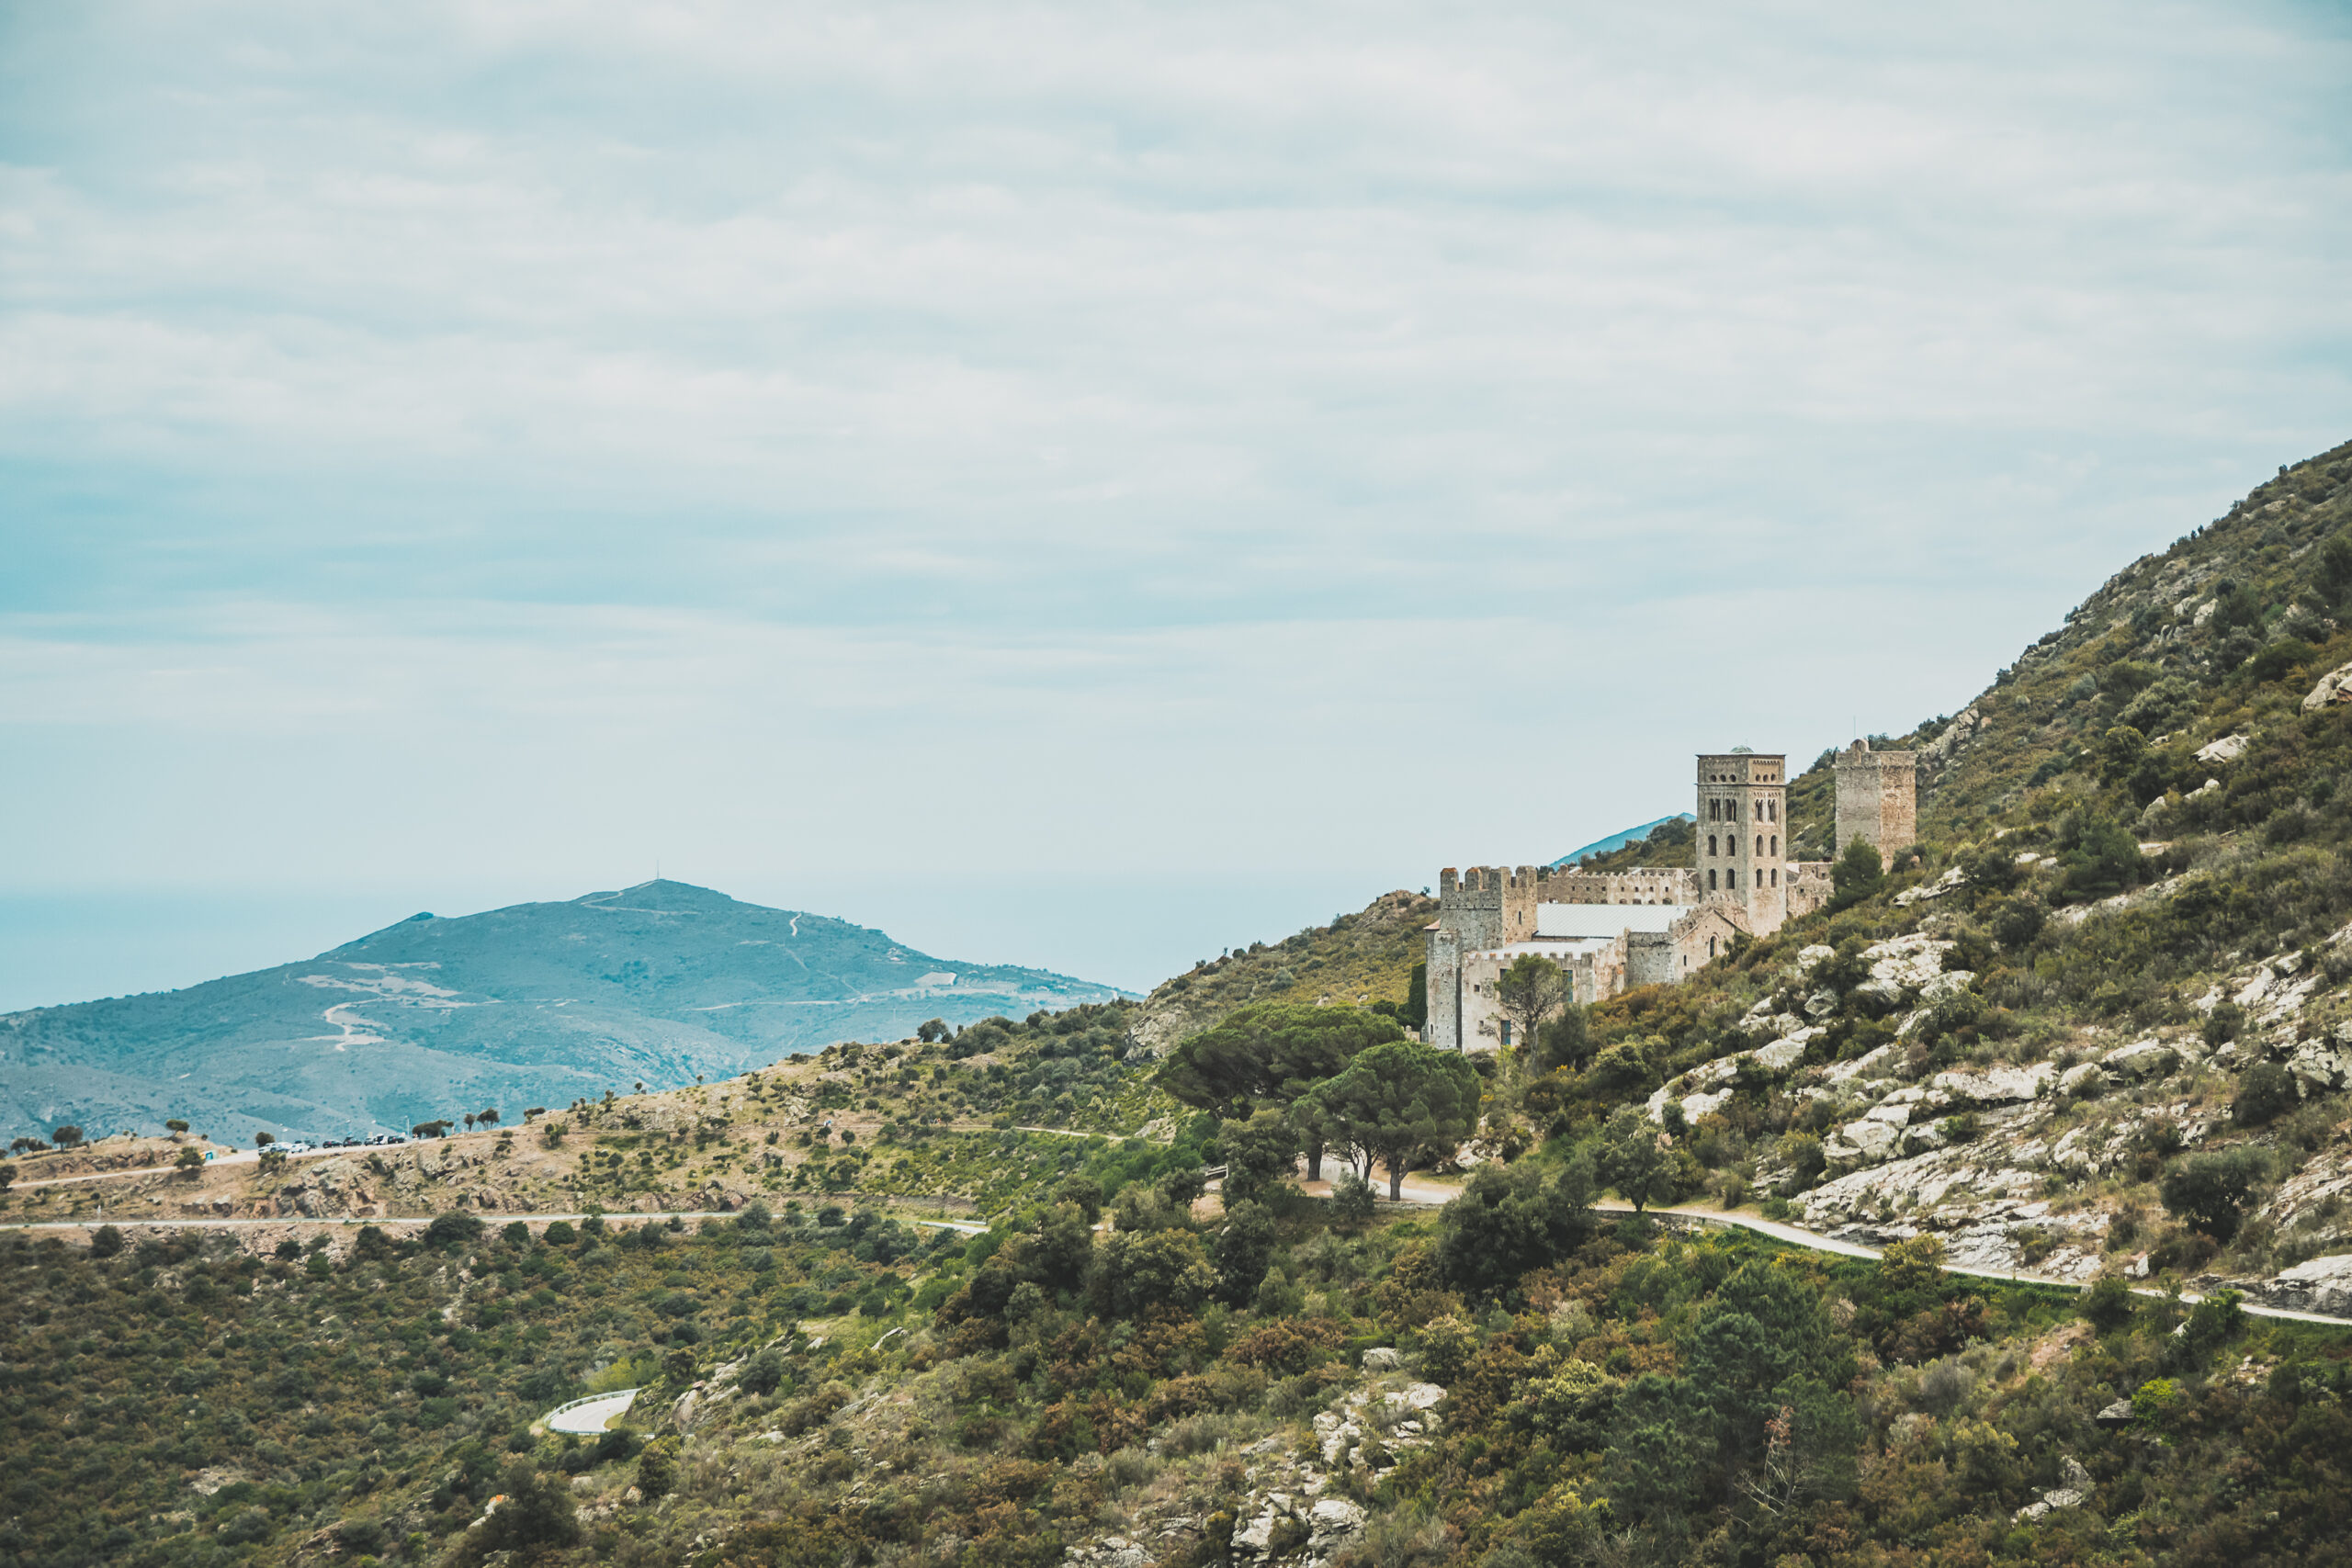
[537, 1004]
[1615, 841]
[2079, 1061]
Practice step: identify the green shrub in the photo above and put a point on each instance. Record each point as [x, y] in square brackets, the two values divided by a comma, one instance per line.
[2266, 1091]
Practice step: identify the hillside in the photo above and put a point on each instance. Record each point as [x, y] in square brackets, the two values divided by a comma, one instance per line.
[2060, 1114]
[2103, 1024]
[532, 1005]
[1356, 961]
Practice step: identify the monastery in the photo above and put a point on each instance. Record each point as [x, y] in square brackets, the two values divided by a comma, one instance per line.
[1612, 930]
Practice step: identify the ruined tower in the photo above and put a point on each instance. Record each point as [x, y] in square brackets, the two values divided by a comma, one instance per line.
[1742, 860]
[1878, 799]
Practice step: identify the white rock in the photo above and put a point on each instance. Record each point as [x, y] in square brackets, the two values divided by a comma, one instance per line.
[2330, 689]
[1785, 1054]
[1997, 1086]
[2144, 1058]
[1950, 983]
[2083, 1078]
[1871, 1141]
[1332, 1522]
[1948, 882]
[2323, 1284]
[1380, 1358]
[2322, 1065]
[1816, 954]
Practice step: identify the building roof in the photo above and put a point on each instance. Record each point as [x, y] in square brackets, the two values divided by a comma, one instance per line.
[1605, 920]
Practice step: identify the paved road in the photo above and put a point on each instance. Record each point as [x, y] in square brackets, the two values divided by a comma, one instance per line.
[1416, 1194]
[590, 1418]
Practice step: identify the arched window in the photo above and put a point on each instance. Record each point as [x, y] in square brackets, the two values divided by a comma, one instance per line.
[1711, 947]
[1711, 879]
[1710, 844]
[1776, 877]
[1776, 846]
[1760, 846]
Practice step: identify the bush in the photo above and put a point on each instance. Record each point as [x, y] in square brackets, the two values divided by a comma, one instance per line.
[1447, 1346]
[2211, 1190]
[456, 1228]
[2108, 1305]
[2266, 1091]
[1510, 1220]
[763, 1374]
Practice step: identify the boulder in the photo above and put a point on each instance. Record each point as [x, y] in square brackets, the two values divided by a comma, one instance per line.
[2115, 1414]
[1997, 1086]
[2323, 1284]
[2083, 1079]
[2332, 688]
[1420, 1396]
[1382, 1359]
[1334, 1522]
[2144, 1059]
[2322, 1065]
[1950, 983]
[2226, 750]
[1782, 1054]
[1871, 1141]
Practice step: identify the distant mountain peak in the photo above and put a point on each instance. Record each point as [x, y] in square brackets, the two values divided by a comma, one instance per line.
[533, 1003]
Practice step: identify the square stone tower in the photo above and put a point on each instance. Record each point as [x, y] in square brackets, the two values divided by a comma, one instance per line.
[1878, 799]
[1743, 811]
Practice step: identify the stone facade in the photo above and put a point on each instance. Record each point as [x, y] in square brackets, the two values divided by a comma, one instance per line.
[1593, 966]
[1649, 885]
[1744, 885]
[1878, 799]
[1742, 809]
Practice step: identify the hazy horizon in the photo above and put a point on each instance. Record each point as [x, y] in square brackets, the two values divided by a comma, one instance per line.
[1072, 486]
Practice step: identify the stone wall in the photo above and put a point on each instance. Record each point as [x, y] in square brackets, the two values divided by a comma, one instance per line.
[1808, 887]
[1596, 971]
[1651, 959]
[1653, 885]
[1443, 1027]
[1704, 935]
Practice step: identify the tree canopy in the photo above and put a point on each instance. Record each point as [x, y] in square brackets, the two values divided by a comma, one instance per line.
[1398, 1100]
[1271, 1054]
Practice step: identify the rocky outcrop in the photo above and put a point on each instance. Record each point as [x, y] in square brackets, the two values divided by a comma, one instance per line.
[2323, 1284]
[2336, 686]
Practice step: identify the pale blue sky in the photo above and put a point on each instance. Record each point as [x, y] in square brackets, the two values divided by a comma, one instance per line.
[1075, 485]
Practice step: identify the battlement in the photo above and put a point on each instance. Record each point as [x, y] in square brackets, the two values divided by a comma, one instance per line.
[1646, 885]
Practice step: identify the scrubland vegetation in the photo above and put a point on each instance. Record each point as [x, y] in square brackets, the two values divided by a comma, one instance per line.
[1125, 1369]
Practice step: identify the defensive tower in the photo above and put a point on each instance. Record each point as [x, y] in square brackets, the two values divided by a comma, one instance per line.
[1878, 799]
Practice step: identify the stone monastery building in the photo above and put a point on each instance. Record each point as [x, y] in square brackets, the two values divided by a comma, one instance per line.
[1612, 930]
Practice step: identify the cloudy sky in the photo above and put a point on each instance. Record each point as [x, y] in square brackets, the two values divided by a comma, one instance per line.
[1079, 485]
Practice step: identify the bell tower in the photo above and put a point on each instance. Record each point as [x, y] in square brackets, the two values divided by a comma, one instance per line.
[1743, 808]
